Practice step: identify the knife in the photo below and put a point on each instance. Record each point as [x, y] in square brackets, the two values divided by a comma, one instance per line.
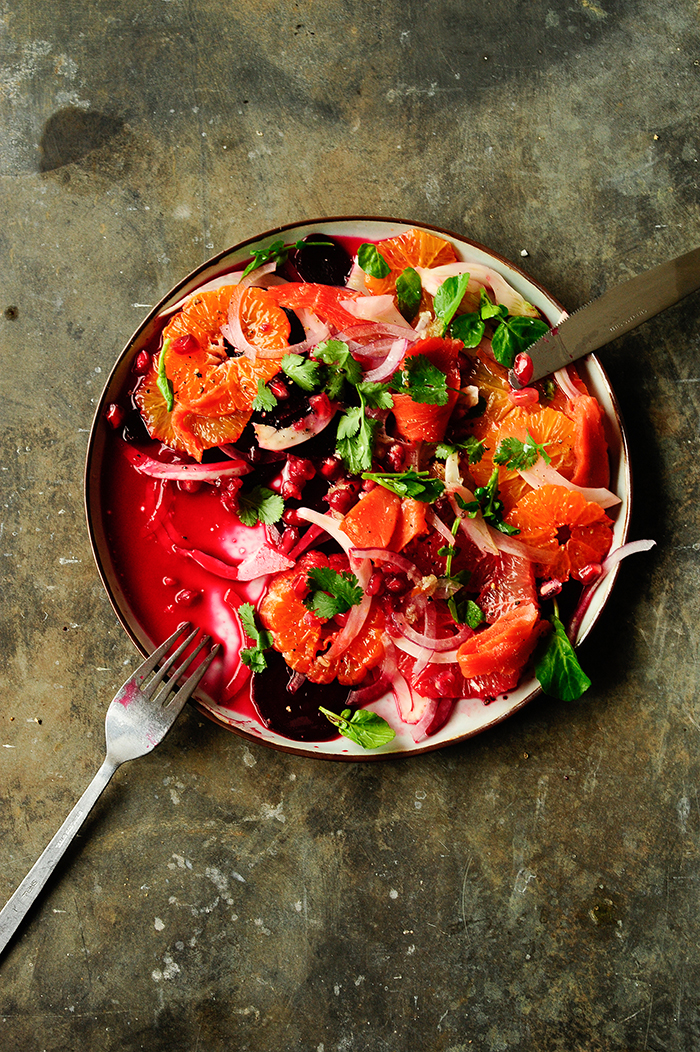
[616, 312]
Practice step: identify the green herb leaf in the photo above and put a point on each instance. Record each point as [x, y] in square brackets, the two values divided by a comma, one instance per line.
[518, 456]
[260, 505]
[420, 485]
[355, 437]
[165, 385]
[332, 592]
[421, 380]
[473, 447]
[375, 394]
[469, 328]
[491, 507]
[304, 372]
[448, 298]
[474, 615]
[253, 656]
[279, 253]
[372, 262]
[408, 293]
[487, 309]
[341, 366]
[264, 399]
[515, 335]
[558, 669]
[363, 726]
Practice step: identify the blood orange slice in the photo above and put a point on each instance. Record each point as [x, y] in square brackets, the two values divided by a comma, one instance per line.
[561, 521]
[415, 248]
[421, 420]
[503, 647]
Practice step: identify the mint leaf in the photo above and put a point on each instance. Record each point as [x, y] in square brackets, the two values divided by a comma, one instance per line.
[515, 335]
[364, 727]
[303, 371]
[469, 328]
[332, 592]
[487, 309]
[253, 656]
[558, 669]
[372, 262]
[260, 505]
[473, 447]
[448, 298]
[408, 293]
[165, 386]
[264, 399]
[420, 485]
[421, 380]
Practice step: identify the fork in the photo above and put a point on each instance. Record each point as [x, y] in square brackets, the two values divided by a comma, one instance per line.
[135, 723]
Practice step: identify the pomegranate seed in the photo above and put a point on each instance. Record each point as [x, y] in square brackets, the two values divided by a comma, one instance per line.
[376, 584]
[300, 587]
[189, 485]
[590, 573]
[523, 368]
[186, 344]
[279, 389]
[369, 484]
[343, 497]
[142, 363]
[311, 619]
[187, 597]
[396, 455]
[169, 582]
[342, 619]
[550, 588]
[289, 539]
[115, 415]
[445, 683]
[331, 468]
[396, 583]
[295, 474]
[338, 562]
[290, 517]
[526, 396]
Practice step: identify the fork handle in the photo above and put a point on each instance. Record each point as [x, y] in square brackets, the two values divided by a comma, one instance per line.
[18, 905]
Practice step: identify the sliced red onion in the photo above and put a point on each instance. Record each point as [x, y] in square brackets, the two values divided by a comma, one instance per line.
[364, 695]
[305, 542]
[396, 355]
[566, 384]
[296, 681]
[613, 559]
[183, 472]
[330, 525]
[375, 308]
[400, 688]
[512, 546]
[438, 657]
[475, 529]
[430, 642]
[379, 555]
[371, 331]
[541, 474]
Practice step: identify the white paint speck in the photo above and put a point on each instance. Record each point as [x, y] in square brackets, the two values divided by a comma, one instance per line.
[393, 894]
[158, 924]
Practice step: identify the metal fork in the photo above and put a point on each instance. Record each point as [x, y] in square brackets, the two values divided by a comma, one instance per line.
[134, 725]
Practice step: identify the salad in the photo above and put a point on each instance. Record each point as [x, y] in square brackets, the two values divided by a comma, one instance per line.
[336, 479]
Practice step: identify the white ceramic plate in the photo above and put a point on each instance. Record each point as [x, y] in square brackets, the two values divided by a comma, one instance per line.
[470, 716]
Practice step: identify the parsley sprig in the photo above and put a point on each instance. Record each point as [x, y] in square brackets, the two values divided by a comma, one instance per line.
[332, 592]
[517, 455]
[366, 728]
[254, 656]
[473, 447]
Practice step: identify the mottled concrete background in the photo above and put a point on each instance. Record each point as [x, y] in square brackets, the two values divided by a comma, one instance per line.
[536, 889]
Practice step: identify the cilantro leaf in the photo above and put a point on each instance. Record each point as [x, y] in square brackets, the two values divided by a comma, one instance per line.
[519, 456]
[303, 371]
[354, 438]
[473, 447]
[165, 386]
[372, 262]
[332, 592]
[420, 485]
[448, 298]
[487, 502]
[253, 656]
[259, 505]
[408, 293]
[558, 669]
[421, 380]
[469, 328]
[363, 726]
[264, 399]
[375, 394]
[342, 367]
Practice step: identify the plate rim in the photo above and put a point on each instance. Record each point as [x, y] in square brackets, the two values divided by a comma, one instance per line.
[92, 486]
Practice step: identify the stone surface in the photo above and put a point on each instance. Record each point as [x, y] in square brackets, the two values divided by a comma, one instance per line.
[534, 888]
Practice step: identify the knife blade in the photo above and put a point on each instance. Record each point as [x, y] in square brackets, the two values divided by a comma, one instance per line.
[613, 314]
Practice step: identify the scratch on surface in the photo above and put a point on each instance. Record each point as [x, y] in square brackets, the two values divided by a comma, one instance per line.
[463, 907]
[542, 786]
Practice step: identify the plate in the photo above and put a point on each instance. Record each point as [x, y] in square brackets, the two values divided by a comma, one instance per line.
[470, 716]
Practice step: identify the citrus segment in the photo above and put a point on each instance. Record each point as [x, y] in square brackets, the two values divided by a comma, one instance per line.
[591, 447]
[322, 300]
[202, 316]
[263, 321]
[421, 420]
[503, 647]
[415, 248]
[561, 521]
